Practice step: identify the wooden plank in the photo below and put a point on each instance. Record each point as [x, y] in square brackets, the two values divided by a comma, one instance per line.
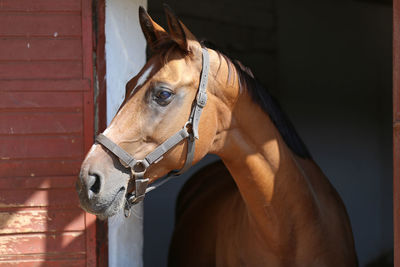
[40, 147]
[40, 49]
[41, 70]
[42, 243]
[44, 85]
[9, 100]
[39, 258]
[38, 182]
[54, 25]
[40, 123]
[101, 118]
[39, 167]
[33, 221]
[40, 5]
[88, 122]
[10, 199]
[43, 262]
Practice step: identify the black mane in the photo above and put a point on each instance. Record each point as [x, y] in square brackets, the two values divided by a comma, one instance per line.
[269, 104]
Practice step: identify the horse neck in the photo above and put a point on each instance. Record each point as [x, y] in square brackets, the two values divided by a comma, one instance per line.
[273, 181]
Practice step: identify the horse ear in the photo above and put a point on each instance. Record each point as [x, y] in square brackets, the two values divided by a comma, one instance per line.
[178, 31]
[153, 32]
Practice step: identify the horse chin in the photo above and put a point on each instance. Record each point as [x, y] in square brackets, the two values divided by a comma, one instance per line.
[105, 208]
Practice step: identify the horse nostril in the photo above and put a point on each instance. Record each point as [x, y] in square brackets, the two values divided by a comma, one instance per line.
[94, 184]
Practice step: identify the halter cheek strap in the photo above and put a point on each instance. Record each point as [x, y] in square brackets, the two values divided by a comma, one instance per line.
[189, 132]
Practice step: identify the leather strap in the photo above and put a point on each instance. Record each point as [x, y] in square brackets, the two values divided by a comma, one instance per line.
[157, 154]
[201, 98]
[116, 150]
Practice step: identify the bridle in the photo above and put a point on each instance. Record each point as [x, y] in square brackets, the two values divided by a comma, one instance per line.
[189, 132]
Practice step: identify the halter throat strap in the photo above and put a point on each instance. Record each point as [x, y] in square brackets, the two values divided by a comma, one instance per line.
[189, 132]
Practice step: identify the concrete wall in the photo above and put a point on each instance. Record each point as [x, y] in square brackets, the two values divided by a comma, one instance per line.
[125, 56]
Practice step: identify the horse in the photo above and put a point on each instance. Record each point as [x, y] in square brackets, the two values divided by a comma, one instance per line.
[267, 204]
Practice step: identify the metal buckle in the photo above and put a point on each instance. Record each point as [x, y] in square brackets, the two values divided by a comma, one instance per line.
[201, 99]
[137, 196]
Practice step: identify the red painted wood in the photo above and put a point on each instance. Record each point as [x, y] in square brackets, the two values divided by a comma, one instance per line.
[51, 25]
[46, 262]
[38, 220]
[40, 69]
[38, 198]
[45, 85]
[40, 5]
[39, 100]
[69, 242]
[39, 167]
[16, 123]
[41, 49]
[101, 102]
[27, 147]
[40, 257]
[38, 182]
[46, 127]
[101, 116]
[88, 111]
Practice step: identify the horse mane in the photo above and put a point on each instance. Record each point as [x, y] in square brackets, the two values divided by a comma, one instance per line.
[266, 101]
[258, 93]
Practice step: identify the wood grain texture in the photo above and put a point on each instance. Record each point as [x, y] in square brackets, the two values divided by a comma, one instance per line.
[46, 126]
[40, 100]
[42, 243]
[39, 167]
[101, 107]
[51, 85]
[52, 25]
[28, 147]
[40, 49]
[18, 123]
[32, 182]
[41, 70]
[88, 122]
[23, 198]
[40, 5]
[37, 220]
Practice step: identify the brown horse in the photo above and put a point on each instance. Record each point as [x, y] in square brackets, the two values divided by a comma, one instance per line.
[278, 210]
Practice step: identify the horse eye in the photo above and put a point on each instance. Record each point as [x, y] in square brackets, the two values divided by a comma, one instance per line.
[163, 97]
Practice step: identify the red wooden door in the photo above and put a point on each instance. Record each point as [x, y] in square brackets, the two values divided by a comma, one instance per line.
[46, 126]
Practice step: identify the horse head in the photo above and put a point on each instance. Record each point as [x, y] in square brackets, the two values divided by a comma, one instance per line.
[158, 103]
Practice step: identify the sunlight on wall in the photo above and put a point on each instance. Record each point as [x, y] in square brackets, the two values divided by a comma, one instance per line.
[125, 56]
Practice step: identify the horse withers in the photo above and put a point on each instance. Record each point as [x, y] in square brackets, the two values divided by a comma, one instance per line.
[268, 204]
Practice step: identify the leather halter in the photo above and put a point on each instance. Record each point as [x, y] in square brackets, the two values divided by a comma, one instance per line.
[189, 132]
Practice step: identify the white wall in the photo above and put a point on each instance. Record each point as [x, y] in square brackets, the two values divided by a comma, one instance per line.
[125, 56]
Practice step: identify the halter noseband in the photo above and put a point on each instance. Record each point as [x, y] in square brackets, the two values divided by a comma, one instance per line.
[189, 132]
